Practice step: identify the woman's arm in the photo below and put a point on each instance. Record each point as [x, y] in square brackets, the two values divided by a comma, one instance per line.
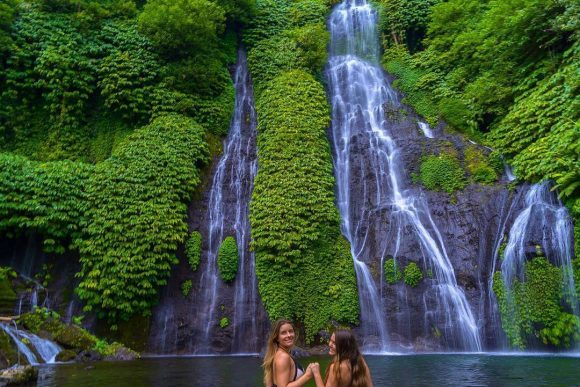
[302, 380]
[315, 367]
[283, 367]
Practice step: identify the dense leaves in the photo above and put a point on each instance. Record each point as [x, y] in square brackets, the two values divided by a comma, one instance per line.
[179, 26]
[304, 266]
[412, 275]
[534, 308]
[442, 172]
[44, 197]
[137, 216]
[228, 259]
[193, 250]
[393, 273]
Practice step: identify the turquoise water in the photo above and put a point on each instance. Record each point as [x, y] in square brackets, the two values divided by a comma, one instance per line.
[407, 370]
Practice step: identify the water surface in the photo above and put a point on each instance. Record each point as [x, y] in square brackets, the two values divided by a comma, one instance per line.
[408, 370]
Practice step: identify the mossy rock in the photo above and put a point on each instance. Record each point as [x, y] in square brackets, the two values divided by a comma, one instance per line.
[66, 355]
[8, 351]
[73, 337]
[19, 375]
[133, 333]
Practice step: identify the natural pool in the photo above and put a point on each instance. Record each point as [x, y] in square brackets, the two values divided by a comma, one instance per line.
[396, 370]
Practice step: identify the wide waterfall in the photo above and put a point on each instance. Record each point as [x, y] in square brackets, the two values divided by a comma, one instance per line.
[193, 326]
[371, 191]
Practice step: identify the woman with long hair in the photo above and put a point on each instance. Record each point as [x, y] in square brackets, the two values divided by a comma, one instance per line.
[348, 368]
[280, 368]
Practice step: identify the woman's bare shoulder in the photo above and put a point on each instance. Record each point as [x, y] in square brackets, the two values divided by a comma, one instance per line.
[282, 358]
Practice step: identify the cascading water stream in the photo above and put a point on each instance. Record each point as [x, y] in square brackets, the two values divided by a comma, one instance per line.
[228, 211]
[546, 221]
[368, 180]
[46, 349]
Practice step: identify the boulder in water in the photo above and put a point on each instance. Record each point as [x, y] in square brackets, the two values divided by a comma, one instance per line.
[18, 375]
[66, 355]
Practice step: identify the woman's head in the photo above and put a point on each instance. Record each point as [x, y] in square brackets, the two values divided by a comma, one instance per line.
[343, 345]
[344, 348]
[282, 334]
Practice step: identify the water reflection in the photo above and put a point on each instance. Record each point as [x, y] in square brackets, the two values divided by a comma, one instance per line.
[404, 370]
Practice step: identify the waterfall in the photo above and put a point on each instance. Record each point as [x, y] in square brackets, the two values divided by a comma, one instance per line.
[508, 172]
[427, 131]
[46, 349]
[368, 177]
[228, 212]
[544, 221]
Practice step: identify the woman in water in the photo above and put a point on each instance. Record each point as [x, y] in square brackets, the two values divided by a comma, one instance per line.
[348, 368]
[280, 368]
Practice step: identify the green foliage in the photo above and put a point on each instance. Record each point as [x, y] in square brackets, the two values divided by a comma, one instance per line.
[397, 61]
[186, 287]
[534, 307]
[178, 27]
[404, 21]
[129, 72]
[293, 113]
[392, 272]
[303, 12]
[89, 10]
[46, 197]
[224, 322]
[228, 259]
[412, 275]
[442, 172]
[294, 221]
[213, 114]
[137, 216]
[7, 12]
[270, 19]
[508, 68]
[304, 266]
[193, 250]
[478, 165]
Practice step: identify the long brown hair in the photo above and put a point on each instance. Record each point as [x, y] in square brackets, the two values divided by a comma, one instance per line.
[271, 348]
[347, 350]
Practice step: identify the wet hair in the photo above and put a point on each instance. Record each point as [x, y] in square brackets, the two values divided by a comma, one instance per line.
[347, 350]
[271, 348]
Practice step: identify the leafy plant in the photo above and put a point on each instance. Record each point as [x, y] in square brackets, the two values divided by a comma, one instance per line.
[186, 287]
[536, 307]
[442, 172]
[228, 259]
[193, 250]
[412, 275]
[392, 272]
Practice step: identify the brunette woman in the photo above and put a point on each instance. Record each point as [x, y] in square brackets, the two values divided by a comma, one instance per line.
[280, 368]
[348, 368]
